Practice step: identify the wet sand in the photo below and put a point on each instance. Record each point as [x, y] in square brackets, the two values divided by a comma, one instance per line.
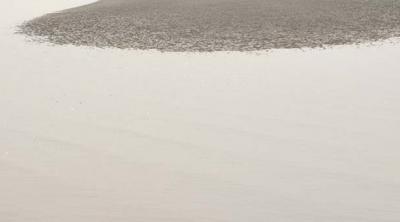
[100, 135]
[222, 25]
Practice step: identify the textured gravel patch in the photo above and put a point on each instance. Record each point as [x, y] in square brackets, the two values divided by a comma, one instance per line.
[219, 25]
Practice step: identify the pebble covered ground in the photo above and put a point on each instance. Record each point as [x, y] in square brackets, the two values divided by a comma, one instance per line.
[219, 25]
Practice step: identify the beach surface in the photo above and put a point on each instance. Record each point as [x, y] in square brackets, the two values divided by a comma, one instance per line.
[92, 135]
[220, 25]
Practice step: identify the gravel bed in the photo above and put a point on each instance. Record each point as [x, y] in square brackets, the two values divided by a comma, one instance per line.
[219, 25]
